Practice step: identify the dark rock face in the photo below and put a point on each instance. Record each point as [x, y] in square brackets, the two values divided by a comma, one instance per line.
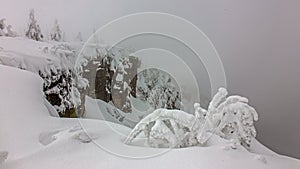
[103, 84]
[132, 74]
[53, 99]
[126, 87]
[102, 79]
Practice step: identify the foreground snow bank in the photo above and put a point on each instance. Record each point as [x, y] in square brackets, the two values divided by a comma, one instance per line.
[31, 139]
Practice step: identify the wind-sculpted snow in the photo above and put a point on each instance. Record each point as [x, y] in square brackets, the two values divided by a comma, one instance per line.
[75, 132]
[37, 57]
[48, 137]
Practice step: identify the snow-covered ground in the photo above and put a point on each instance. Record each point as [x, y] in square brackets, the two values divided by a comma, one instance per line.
[98, 109]
[31, 138]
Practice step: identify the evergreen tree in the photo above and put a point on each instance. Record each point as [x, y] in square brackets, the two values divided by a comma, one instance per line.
[34, 31]
[57, 34]
[79, 37]
[158, 89]
[10, 32]
[2, 27]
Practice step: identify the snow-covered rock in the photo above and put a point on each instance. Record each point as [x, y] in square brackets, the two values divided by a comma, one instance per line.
[54, 62]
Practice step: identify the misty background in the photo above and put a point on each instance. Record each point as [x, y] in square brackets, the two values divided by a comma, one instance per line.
[258, 43]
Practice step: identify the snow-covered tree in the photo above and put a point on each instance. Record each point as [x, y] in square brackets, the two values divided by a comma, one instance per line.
[2, 27]
[228, 117]
[10, 32]
[62, 85]
[3, 156]
[57, 34]
[34, 31]
[165, 96]
[79, 37]
[2, 24]
[6, 30]
[158, 89]
[58, 92]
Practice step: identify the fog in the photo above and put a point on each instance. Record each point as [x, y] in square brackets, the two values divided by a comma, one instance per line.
[258, 43]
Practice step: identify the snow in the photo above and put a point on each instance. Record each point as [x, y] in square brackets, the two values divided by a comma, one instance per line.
[35, 56]
[32, 139]
[140, 108]
[51, 60]
[98, 109]
[89, 51]
[10, 32]
[52, 111]
[230, 118]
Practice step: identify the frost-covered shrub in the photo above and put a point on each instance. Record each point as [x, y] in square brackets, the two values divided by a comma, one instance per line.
[166, 128]
[229, 117]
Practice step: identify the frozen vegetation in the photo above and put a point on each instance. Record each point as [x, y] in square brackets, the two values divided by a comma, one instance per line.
[228, 117]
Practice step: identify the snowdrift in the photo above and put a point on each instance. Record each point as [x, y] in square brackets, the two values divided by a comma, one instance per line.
[35, 56]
